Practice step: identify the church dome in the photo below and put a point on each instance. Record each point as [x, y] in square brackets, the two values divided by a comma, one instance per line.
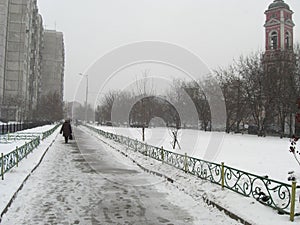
[279, 4]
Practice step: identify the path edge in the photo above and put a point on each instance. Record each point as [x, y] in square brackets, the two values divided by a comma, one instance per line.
[208, 201]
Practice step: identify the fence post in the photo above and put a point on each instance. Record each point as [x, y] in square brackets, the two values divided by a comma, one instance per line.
[8, 135]
[146, 147]
[135, 145]
[222, 175]
[185, 163]
[17, 156]
[2, 166]
[162, 154]
[293, 199]
[26, 148]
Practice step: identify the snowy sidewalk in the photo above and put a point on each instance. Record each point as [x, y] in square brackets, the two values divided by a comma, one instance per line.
[86, 182]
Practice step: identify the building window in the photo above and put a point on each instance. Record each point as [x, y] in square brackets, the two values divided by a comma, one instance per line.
[287, 40]
[274, 40]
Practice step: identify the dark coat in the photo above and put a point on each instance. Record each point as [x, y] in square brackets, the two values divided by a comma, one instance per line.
[66, 129]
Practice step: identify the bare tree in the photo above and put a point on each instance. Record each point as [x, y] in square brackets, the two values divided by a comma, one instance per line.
[104, 108]
[50, 108]
[144, 88]
[251, 71]
[199, 99]
[234, 93]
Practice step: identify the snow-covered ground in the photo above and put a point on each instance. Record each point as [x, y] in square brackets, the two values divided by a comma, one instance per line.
[10, 142]
[88, 183]
[250, 153]
[14, 178]
[246, 208]
[259, 155]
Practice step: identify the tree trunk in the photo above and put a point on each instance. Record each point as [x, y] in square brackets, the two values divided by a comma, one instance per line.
[143, 132]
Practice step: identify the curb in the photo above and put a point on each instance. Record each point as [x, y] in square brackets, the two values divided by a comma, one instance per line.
[24, 181]
[204, 198]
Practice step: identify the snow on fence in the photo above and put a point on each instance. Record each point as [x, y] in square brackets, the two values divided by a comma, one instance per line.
[10, 137]
[12, 159]
[275, 194]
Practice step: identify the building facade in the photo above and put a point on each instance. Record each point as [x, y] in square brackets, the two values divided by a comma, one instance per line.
[22, 52]
[17, 60]
[53, 61]
[279, 26]
[3, 35]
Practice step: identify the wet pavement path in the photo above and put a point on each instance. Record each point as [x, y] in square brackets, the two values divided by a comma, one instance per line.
[84, 182]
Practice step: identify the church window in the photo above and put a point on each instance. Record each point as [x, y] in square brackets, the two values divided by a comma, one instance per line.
[274, 40]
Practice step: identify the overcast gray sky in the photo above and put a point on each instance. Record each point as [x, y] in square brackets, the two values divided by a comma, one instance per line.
[216, 30]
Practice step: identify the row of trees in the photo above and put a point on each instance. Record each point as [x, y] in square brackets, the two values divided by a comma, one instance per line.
[260, 94]
[49, 108]
[181, 106]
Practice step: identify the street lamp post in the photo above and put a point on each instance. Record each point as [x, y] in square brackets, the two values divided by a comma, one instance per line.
[86, 95]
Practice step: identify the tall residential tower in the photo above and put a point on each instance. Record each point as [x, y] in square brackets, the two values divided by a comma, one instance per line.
[53, 61]
[24, 47]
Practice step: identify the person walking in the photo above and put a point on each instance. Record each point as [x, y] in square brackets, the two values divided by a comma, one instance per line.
[66, 130]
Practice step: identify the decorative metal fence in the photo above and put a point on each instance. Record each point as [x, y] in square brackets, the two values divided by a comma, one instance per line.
[8, 161]
[13, 158]
[49, 132]
[18, 126]
[275, 194]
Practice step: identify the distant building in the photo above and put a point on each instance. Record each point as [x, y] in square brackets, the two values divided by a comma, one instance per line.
[74, 110]
[53, 61]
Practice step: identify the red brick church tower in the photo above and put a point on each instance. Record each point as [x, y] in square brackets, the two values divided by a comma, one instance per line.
[279, 27]
[279, 64]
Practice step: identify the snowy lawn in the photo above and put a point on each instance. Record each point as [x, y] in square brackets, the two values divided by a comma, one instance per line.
[259, 155]
[8, 143]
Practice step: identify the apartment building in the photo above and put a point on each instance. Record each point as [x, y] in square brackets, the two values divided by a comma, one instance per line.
[24, 47]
